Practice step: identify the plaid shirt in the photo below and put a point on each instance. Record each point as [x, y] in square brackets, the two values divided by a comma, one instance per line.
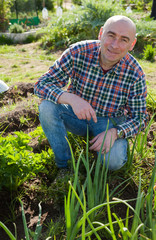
[122, 87]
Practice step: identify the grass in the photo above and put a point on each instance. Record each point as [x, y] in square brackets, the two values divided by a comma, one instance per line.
[22, 64]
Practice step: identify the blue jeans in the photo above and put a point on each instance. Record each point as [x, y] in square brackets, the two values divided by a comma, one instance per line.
[57, 119]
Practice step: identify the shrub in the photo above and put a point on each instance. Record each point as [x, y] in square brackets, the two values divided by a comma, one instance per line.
[149, 53]
[28, 6]
[16, 28]
[49, 4]
[77, 2]
[5, 40]
[146, 33]
[81, 24]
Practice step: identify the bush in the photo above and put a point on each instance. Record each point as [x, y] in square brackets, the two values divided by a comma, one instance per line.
[16, 28]
[81, 24]
[5, 40]
[49, 4]
[77, 2]
[146, 33]
[149, 53]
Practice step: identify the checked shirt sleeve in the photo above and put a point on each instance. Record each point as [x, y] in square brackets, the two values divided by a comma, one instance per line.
[49, 86]
[137, 115]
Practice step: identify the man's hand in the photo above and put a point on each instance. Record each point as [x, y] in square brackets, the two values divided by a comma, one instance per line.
[110, 139]
[81, 108]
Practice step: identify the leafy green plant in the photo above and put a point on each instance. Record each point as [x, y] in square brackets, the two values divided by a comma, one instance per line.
[5, 40]
[145, 33]
[24, 120]
[16, 28]
[38, 132]
[149, 53]
[18, 162]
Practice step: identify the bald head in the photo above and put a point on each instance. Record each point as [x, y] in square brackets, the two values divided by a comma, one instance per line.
[121, 20]
[117, 37]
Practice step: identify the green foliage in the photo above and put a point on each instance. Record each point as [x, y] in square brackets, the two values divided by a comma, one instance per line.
[81, 213]
[16, 28]
[85, 203]
[81, 24]
[84, 23]
[25, 6]
[151, 103]
[49, 4]
[59, 3]
[4, 14]
[55, 230]
[88, 204]
[149, 53]
[5, 40]
[139, 5]
[139, 144]
[18, 162]
[146, 32]
[79, 2]
[34, 235]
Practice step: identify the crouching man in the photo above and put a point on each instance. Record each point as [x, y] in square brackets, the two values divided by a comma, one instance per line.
[104, 81]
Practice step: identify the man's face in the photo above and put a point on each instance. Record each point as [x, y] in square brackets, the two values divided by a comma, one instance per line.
[117, 39]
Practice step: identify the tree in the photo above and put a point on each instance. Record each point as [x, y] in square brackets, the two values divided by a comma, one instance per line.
[153, 12]
[4, 14]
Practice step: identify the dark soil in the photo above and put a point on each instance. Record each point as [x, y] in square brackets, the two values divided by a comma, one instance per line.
[24, 117]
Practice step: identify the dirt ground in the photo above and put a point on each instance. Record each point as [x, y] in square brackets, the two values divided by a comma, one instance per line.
[26, 107]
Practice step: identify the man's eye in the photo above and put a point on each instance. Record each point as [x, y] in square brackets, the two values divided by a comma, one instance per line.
[124, 40]
[110, 35]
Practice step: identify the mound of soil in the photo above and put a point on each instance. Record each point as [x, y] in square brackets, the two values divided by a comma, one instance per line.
[25, 114]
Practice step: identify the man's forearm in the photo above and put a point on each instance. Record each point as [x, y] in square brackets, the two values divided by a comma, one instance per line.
[66, 98]
[81, 108]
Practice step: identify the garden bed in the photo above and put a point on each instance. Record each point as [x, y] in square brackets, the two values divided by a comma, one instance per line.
[19, 37]
[44, 187]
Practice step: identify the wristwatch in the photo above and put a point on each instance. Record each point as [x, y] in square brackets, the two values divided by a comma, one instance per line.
[120, 133]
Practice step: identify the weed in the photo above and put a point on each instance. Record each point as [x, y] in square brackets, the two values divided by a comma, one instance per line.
[14, 66]
[24, 120]
[4, 49]
[149, 53]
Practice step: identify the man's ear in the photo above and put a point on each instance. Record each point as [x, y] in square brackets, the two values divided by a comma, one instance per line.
[100, 33]
[133, 44]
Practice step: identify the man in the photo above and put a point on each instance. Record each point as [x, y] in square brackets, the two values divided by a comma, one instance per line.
[105, 81]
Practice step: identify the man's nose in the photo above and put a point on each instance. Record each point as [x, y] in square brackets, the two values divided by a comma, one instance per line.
[115, 43]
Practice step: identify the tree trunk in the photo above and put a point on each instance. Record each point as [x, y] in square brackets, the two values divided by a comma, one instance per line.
[153, 12]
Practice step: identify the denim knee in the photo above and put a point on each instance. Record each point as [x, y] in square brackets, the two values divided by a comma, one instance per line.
[46, 108]
[117, 157]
